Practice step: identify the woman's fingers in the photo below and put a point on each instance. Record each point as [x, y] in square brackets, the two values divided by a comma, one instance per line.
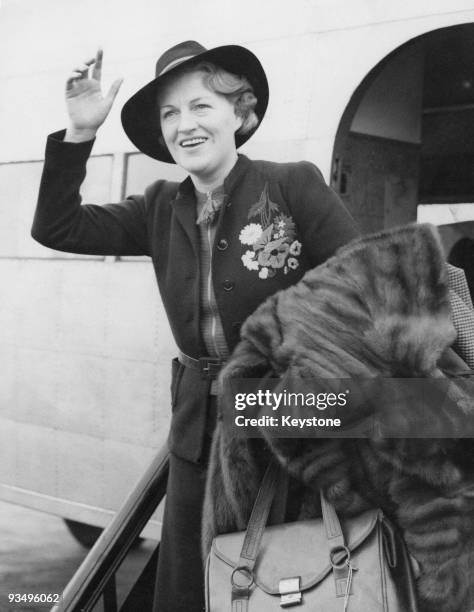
[97, 61]
[82, 70]
[73, 77]
[92, 80]
[84, 67]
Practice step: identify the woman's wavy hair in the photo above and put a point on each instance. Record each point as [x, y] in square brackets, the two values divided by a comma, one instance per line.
[237, 89]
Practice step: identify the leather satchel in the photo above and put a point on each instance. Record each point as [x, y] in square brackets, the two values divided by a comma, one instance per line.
[362, 566]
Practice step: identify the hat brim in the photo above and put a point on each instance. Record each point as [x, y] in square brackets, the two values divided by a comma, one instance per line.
[140, 118]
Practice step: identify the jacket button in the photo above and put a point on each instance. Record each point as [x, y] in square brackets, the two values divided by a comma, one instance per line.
[222, 244]
[228, 285]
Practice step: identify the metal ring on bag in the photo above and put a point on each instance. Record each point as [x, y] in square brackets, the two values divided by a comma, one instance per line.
[345, 559]
[247, 572]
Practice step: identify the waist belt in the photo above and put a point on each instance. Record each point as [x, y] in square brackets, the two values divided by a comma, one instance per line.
[208, 366]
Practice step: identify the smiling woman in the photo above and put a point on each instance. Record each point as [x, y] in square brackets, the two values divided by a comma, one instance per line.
[222, 241]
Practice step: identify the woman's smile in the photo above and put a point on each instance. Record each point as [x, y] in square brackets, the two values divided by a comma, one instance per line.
[193, 145]
[192, 142]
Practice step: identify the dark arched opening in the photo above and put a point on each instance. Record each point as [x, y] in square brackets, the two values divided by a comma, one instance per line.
[407, 135]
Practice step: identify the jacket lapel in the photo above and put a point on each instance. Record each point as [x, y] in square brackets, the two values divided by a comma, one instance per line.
[184, 206]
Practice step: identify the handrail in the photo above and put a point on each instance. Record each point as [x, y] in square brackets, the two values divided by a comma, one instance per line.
[105, 557]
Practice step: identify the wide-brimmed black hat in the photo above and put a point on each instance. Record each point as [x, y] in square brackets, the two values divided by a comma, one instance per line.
[140, 117]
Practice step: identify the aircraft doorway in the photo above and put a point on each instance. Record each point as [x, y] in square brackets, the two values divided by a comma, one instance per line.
[407, 135]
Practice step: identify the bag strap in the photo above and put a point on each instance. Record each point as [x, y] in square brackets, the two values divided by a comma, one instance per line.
[242, 576]
[332, 525]
[280, 500]
[339, 553]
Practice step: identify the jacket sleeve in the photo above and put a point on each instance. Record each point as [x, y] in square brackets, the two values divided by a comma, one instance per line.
[61, 222]
[323, 221]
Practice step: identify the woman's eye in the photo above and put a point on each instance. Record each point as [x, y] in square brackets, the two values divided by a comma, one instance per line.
[201, 106]
[168, 114]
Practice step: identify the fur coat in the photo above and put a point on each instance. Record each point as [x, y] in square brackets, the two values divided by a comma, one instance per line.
[379, 307]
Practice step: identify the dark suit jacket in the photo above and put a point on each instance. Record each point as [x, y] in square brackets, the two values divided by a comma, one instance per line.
[161, 224]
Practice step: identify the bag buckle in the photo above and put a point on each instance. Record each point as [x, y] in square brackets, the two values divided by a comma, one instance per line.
[290, 591]
[343, 569]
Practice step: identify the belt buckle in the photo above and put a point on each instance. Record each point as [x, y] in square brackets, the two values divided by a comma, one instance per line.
[210, 367]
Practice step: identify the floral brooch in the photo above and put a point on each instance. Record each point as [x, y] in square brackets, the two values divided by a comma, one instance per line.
[272, 239]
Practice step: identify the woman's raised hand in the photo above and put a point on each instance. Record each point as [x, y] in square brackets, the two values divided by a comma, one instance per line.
[86, 105]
